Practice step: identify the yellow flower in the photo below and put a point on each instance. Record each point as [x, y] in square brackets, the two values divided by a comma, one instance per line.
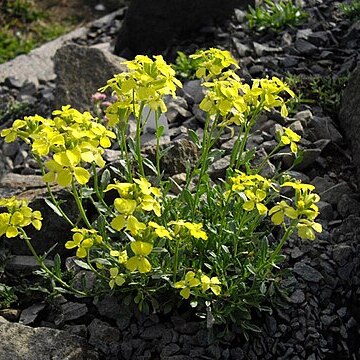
[254, 200]
[160, 231]
[289, 137]
[83, 239]
[213, 284]
[19, 215]
[115, 278]
[193, 229]
[306, 229]
[189, 282]
[139, 261]
[121, 255]
[279, 211]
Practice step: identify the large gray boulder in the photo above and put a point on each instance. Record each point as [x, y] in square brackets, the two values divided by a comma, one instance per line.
[149, 26]
[80, 71]
[20, 342]
[350, 116]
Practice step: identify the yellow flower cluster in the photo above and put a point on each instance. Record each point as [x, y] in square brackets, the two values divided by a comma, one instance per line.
[137, 196]
[18, 216]
[83, 240]
[192, 280]
[230, 98]
[289, 137]
[212, 62]
[72, 137]
[304, 210]
[146, 82]
[252, 189]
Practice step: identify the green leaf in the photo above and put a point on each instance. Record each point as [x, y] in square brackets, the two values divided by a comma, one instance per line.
[194, 137]
[53, 207]
[105, 179]
[147, 162]
[82, 264]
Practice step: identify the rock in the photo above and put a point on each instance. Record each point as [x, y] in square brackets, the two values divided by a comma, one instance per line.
[326, 210]
[218, 169]
[193, 91]
[91, 67]
[305, 47]
[261, 49]
[242, 49]
[348, 205]
[37, 65]
[104, 337]
[174, 162]
[324, 128]
[70, 311]
[25, 265]
[150, 27]
[170, 349]
[30, 314]
[307, 272]
[297, 297]
[333, 194]
[349, 116]
[341, 253]
[20, 342]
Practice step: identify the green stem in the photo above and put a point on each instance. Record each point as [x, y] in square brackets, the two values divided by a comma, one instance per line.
[123, 146]
[158, 157]
[98, 192]
[176, 259]
[46, 269]
[80, 205]
[138, 143]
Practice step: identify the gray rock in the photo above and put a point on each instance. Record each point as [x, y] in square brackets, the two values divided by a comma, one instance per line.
[349, 116]
[324, 128]
[20, 342]
[305, 47]
[307, 272]
[30, 314]
[104, 337]
[174, 162]
[90, 67]
[194, 91]
[326, 210]
[70, 311]
[348, 205]
[261, 49]
[37, 65]
[297, 297]
[333, 194]
[342, 253]
[78, 330]
[242, 49]
[170, 349]
[217, 169]
[22, 264]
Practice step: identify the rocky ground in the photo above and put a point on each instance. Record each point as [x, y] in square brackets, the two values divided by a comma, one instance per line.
[318, 315]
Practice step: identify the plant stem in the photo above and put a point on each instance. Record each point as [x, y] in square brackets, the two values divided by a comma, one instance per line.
[80, 205]
[46, 269]
[176, 258]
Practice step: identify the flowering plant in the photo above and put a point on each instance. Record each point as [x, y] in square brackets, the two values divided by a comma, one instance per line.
[213, 243]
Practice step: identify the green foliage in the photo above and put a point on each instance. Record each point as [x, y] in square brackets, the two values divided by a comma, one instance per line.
[13, 110]
[213, 244]
[275, 15]
[7, 296]
[24, 27]
[323, 90]
[351, 9]
[185, 66]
